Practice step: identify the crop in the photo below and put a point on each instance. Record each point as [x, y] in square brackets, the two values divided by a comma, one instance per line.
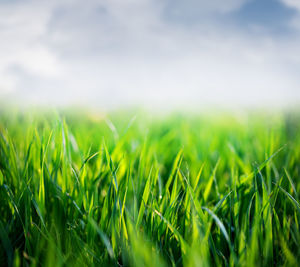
[131, 189]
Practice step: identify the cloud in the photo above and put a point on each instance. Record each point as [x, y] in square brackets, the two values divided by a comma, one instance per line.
[22, 29]
[112, 53]
[294, 4]
[199, 9]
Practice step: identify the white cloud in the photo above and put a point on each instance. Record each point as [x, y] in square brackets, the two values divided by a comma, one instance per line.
[292, 3]
[117, 52]
[22, 30]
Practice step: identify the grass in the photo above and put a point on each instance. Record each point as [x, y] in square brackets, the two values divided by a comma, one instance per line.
[125, 190]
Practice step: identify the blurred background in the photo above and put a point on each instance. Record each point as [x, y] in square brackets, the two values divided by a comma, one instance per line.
[150, 53]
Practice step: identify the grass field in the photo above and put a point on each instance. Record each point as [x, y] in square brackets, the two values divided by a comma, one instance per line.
[122, 190]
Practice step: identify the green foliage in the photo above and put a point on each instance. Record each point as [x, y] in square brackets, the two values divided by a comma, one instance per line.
[86, 189]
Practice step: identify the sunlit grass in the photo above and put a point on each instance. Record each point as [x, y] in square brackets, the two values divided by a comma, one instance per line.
[134, 190]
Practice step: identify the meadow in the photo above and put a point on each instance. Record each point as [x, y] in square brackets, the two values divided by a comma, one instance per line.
[135, 189]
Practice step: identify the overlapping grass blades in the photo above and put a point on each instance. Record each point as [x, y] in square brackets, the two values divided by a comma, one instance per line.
[126, 190]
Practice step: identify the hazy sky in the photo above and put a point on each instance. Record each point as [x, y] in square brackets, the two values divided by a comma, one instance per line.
[110, 53]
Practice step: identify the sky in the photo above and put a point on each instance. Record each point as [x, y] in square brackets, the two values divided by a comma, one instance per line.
[150, 53]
